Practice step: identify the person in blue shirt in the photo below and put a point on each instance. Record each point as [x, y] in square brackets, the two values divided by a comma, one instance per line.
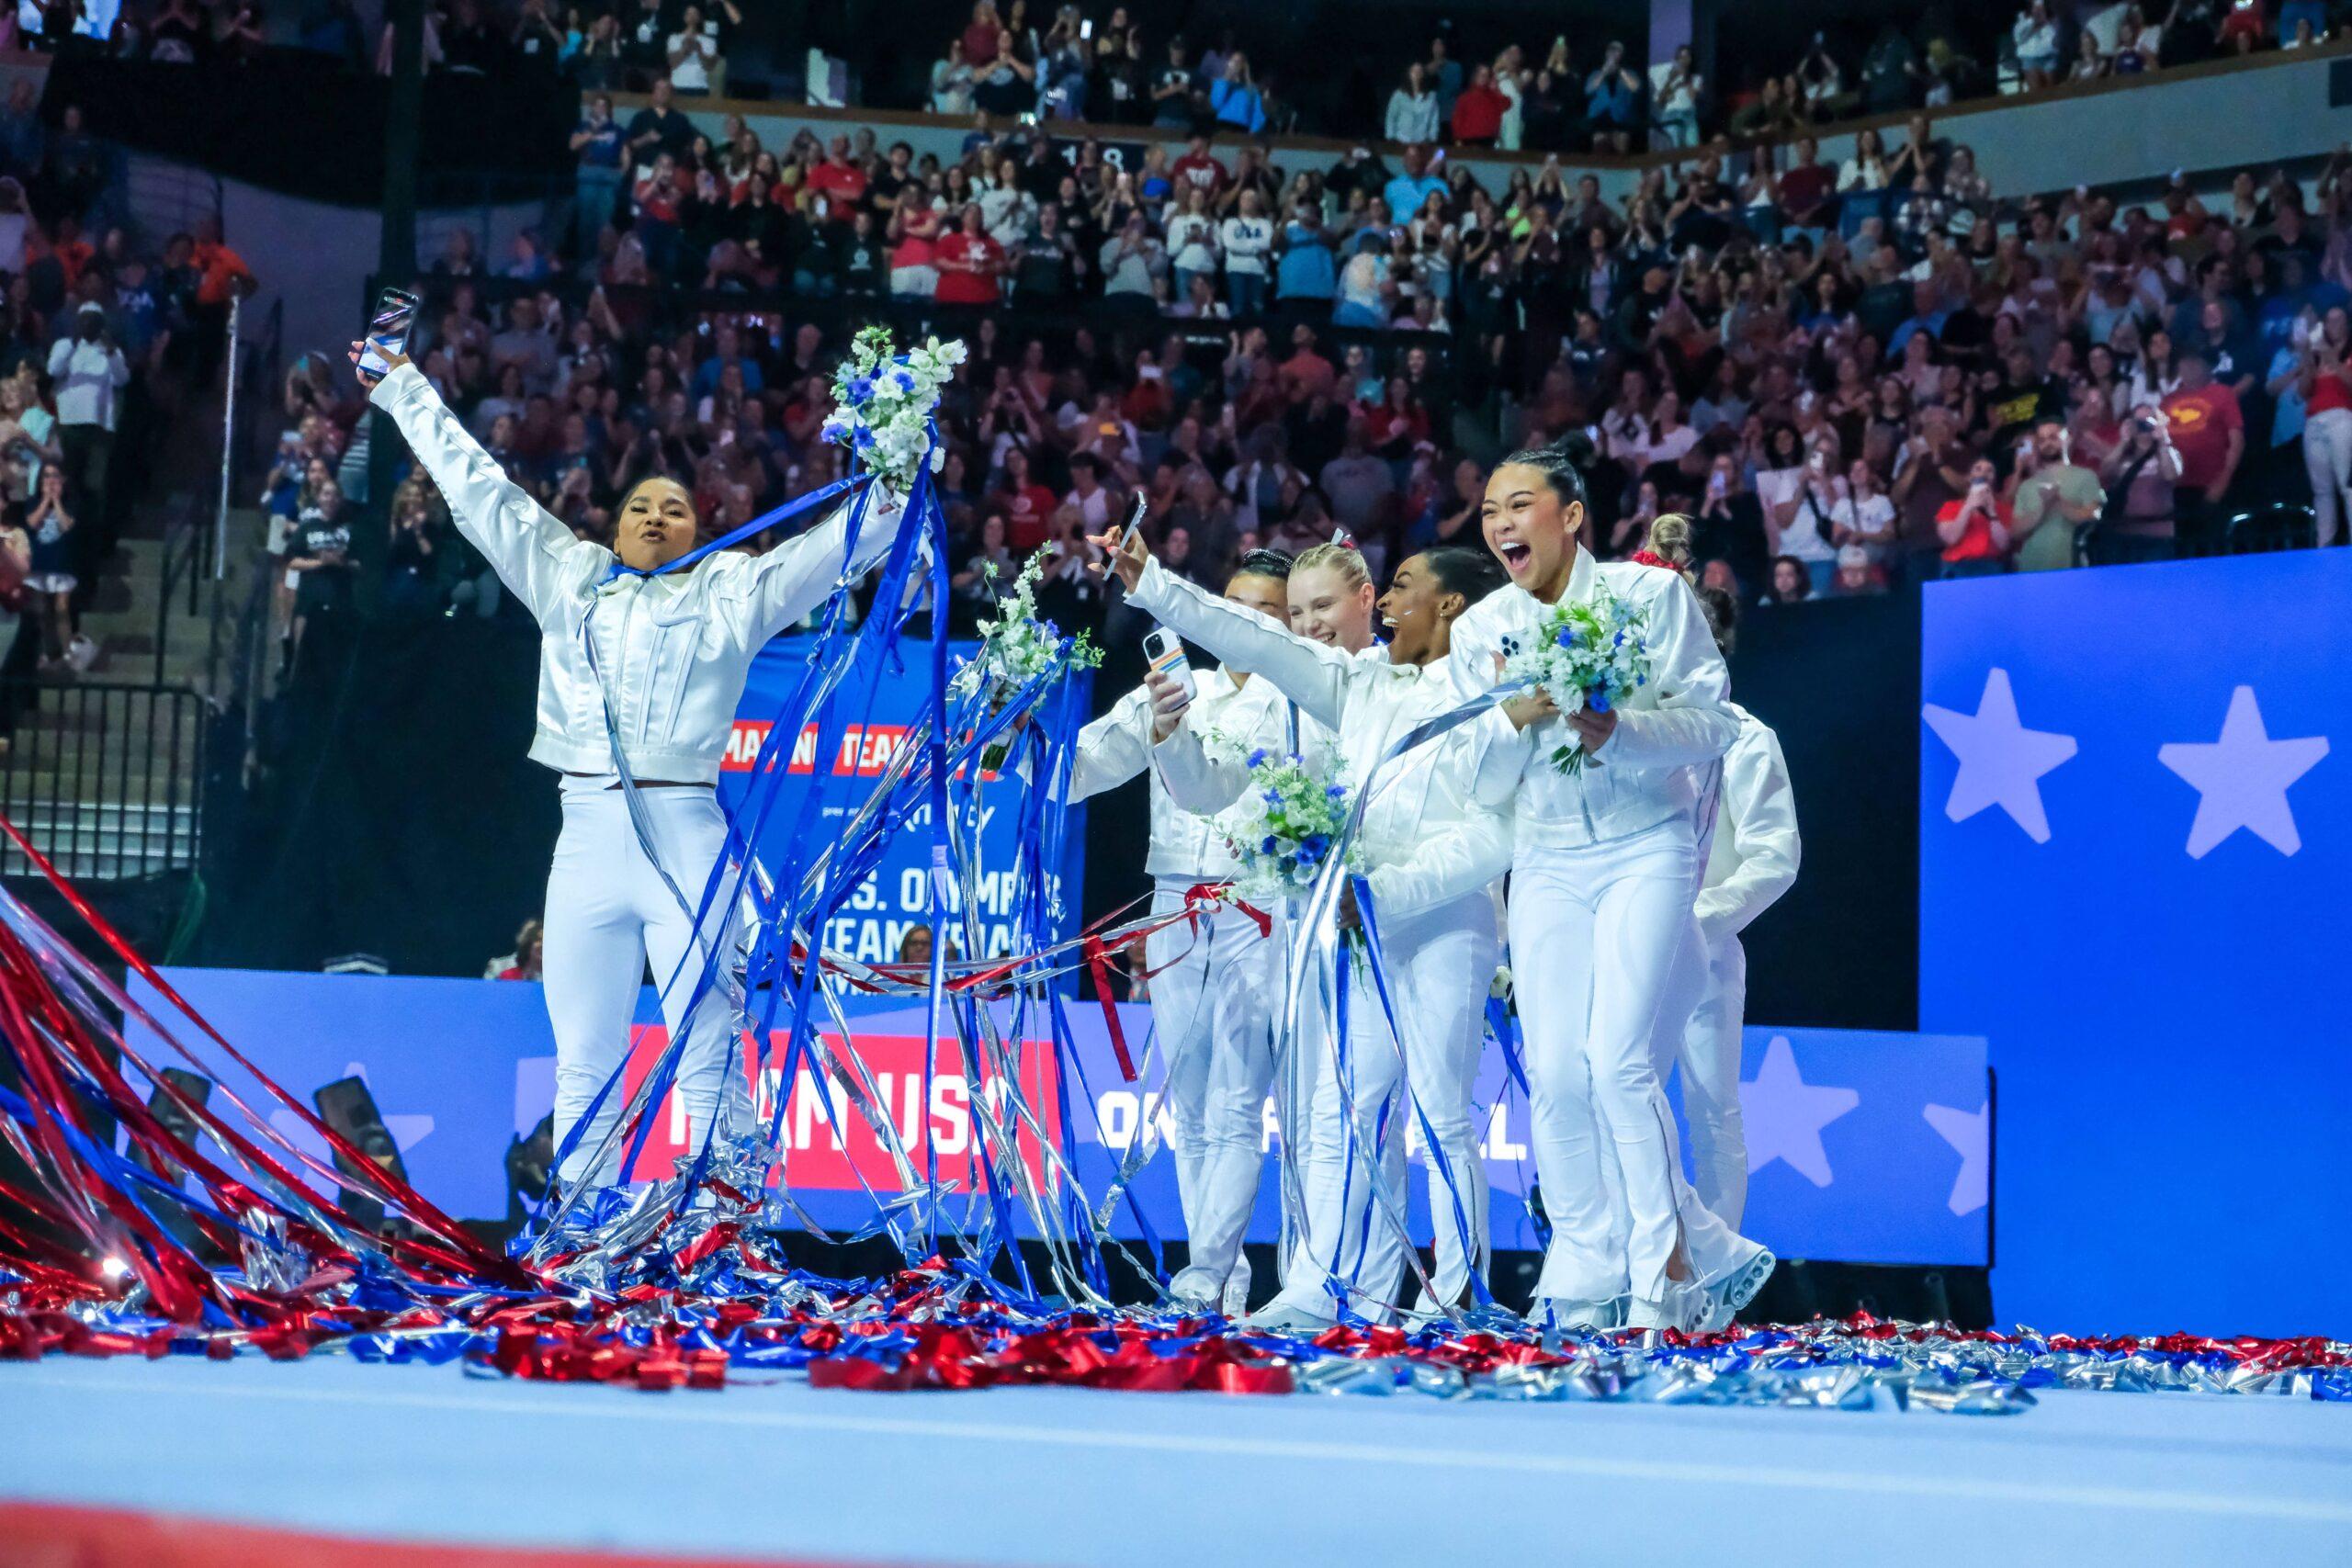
[1235, 100]
[1406, 193]
[1305, 269]
[602, 150]
[1927, 315]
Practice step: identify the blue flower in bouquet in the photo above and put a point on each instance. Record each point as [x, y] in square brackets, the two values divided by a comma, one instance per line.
[1283, 829]
[1589, 654]
[884, 401]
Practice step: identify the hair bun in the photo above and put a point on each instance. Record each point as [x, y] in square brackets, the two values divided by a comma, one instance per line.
[1577, 447]
[1670, 540]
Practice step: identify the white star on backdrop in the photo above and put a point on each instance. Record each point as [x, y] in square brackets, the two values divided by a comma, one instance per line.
[2001, 761]
[2240, 780]
[1970, 1133]
[1784, 1115]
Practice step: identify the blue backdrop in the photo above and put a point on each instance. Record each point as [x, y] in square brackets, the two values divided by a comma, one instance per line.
[1864, 1147]
[2136, 839]
[895, 897]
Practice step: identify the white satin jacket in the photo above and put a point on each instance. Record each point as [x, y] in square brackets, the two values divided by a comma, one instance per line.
[1424, 838]
[1752, 857]
[1648, 770]
[1186, 841]
[674, 649]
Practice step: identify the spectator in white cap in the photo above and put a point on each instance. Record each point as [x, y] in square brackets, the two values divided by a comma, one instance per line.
[89, 373]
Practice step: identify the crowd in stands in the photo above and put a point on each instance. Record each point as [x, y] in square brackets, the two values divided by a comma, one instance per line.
[1851, 377]
[1548, 100]
[103, 329]
[1119, 66]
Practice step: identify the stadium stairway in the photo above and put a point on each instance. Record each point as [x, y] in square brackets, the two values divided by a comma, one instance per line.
[103, 772]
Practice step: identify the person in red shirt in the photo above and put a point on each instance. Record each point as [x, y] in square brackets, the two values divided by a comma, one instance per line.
[839, 179]
[1025, 506]
[1807, 185]
[222, 271]
[1306, 372]
[1198, 169]
[980, 37]
[969, 264]
[2209, 431]
[1976, 529]
[1478, 112]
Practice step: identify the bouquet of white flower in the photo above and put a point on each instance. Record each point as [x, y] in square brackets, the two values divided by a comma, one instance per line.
[1587, 655]
[1283, 825]
[883, 402]
[1017, 647]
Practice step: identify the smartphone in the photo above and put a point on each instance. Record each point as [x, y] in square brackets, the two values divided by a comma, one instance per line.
[1135, 511]
[1163, 653]
[387, 330]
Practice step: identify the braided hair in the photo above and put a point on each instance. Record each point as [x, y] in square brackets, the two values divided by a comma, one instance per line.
[1275, 565]
[1474, 574]
[1562, 464]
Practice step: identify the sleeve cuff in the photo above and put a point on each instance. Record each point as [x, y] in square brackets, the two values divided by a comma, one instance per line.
[398, 388]
[1151, 590]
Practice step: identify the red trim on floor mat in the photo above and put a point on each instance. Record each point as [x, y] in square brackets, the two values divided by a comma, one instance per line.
[45, 1534]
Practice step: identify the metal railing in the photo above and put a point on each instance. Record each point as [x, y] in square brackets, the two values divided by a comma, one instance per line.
[106, 778]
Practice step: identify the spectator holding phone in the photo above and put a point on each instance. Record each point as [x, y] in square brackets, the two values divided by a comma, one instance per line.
[1976, 529]
[51, 524]
[88, 374]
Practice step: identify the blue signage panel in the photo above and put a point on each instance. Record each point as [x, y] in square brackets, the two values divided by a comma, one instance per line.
[2135, 836]
[1864, 1147]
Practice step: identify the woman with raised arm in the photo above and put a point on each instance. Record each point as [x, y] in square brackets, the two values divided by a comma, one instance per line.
[639, 666]
[1606, 864]
[1216, 979]
[1434, 860]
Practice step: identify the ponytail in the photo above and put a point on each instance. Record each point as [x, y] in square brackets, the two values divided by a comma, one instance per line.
[1669, 544]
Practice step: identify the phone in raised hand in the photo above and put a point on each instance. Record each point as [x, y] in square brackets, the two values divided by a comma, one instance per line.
[388, 331]
[1136, 510]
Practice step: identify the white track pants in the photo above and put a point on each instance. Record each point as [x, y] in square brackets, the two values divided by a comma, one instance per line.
[1709, 996]
[1594, 934]
[1440, 962]
[608, 913]
[2327, 458]
[1214, 995]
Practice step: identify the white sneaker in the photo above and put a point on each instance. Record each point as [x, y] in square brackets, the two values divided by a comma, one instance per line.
[1194, 1290]
[1235, 1299]
[1565, 1314]
[1293, 1313]
[1725, 1295]
[1681, 1309]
